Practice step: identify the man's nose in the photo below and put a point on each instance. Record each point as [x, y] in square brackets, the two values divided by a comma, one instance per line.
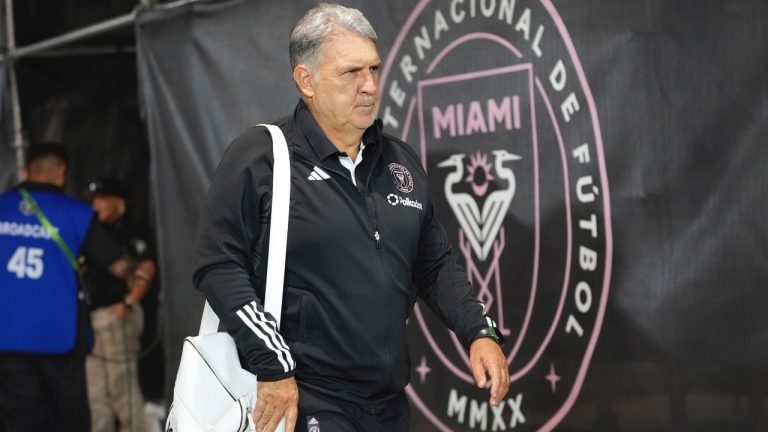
[370, 82]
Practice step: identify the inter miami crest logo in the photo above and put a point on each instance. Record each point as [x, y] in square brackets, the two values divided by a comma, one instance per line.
[402, 177]
[494, 96]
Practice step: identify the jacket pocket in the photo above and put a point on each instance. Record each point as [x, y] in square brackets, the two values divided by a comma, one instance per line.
[293, 325]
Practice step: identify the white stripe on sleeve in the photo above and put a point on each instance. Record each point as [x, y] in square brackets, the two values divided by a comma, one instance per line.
[271, 339]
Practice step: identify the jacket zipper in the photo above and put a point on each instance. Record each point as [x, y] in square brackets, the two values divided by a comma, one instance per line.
[370, 206]
[371, 209]
[373, 214]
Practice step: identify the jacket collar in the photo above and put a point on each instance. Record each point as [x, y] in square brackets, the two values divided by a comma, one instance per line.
[309, 135]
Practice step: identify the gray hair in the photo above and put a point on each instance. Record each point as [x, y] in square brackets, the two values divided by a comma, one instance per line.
[320, 23]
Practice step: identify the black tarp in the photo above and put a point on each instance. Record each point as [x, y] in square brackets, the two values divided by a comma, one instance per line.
[673, 102]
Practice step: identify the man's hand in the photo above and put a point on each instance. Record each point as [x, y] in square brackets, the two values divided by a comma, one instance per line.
[275, 400]
[120, 310]
[485, 356]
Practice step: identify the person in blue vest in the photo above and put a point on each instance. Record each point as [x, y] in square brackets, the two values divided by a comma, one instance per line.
[43, 316]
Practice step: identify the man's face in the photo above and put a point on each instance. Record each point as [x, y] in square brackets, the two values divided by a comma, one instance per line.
[346, 90]
[108, 208]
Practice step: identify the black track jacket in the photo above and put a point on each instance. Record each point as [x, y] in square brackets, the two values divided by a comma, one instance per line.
[357, 258]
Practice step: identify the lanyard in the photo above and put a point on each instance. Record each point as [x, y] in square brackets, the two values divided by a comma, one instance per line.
[48, 226]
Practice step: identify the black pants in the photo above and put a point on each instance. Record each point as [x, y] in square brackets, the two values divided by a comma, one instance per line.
[323, 414]
[43, 393]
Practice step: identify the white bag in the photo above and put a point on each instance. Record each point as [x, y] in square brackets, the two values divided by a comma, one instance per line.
[212, 392]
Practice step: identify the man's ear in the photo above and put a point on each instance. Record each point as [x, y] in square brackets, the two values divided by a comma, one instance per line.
[304, 80]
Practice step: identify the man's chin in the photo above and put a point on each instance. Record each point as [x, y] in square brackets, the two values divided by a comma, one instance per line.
[365, 125]
[367, 119]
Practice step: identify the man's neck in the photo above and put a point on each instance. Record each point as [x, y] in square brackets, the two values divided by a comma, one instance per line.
[46, 178]
[111, 223]
[346, 143]
[352, 151]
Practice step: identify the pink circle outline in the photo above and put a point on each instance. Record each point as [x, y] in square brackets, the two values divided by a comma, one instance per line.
[600, 315]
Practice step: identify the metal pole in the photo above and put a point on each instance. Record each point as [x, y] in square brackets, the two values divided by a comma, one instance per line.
[18, 135]
[85, 32]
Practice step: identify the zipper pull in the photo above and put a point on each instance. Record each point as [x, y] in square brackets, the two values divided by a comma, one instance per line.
[378, 239]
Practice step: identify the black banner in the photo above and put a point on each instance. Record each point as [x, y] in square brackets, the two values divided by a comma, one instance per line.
[598, 164]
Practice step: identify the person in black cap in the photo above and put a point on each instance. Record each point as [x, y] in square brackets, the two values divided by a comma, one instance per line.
[43, 318]
[117, 318]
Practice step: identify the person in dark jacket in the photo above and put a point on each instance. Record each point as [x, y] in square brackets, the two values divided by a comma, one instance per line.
[117, 317]
[363, 244]
[43, 317]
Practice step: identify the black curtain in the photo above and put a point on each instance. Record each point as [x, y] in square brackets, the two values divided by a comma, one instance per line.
[681, 98]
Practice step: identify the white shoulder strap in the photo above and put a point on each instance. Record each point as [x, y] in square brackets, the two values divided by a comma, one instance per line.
[278, 234]
[278, 223]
